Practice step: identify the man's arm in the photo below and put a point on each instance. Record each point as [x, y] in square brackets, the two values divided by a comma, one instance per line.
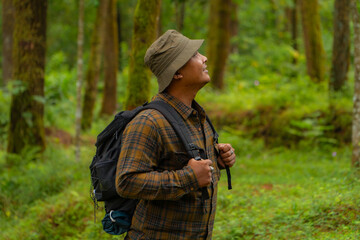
[136, 170]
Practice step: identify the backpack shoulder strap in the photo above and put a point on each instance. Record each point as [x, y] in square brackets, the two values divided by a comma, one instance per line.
[173, 117]
[176, 122]
[216, 139]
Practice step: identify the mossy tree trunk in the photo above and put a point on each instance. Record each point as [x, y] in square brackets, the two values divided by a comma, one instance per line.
[119, 34]
[159, 29]
[110, 60]
[145, 25]
[341, 45]
[180, 14]
[79, 82]
[314, 50]
[94, 66]
[7, 39]
[291, 25]
[234, 26]
[219, 40]
[27, 105]
[356, 109]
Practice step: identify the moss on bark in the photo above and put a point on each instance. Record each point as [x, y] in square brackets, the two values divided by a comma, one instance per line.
[7, 39]
[314, 50]
[341, 45]
[356, 108]
[110, 60]
[27, 107]
[219, 40]
[93, 71]
[145, 24]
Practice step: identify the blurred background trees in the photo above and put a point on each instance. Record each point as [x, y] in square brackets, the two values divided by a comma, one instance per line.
[94, 66]
[356, 111]
[285, 91]
[26, 125]
[219, 40]
[341, 45]
[275, 43]
[7, 39]
[314, 50]
[145, 29]
[111, 51]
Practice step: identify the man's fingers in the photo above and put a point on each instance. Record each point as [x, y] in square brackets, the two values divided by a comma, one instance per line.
[208, 162]
[221, 162]
[202, 170]
[224, 147]
[228, 153]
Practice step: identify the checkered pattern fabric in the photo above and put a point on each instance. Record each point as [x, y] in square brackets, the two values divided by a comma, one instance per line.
[153, 167]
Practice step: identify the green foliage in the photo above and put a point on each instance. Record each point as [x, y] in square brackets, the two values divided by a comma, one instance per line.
[308, 193]
[60, 92]
[300, 188]
[282, 111]
[289, 194]
[29, 177]
[62, 30]
[5, 100]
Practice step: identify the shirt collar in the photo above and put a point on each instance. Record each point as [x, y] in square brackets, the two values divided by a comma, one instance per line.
[184, 111]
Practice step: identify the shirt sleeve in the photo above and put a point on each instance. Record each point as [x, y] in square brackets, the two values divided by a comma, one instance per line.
[137, 175]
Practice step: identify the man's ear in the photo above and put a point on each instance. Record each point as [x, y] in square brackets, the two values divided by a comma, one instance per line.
[177, 75]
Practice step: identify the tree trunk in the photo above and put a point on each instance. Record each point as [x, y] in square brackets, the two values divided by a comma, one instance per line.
[27, 104]
[110, 60]
[93, 71]
[314, 51]
[341, 45]
[273, 15]
[180, 14]
[291, 25]
[119, 34]
[356, 109]
[219, 40]
[145, 24]
[234, 25]
[80, 67]
[7, 39]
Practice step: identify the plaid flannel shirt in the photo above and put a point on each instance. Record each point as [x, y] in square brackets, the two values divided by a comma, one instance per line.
[153, 167]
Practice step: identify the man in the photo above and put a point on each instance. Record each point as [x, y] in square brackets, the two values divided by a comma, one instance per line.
[153, 165]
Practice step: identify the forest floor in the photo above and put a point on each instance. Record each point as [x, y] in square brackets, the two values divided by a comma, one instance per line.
[278, 193]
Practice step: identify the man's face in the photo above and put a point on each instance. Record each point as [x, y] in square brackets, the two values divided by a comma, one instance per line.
[194, 72]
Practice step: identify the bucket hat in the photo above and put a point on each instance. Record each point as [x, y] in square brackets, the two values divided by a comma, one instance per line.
[169, 53]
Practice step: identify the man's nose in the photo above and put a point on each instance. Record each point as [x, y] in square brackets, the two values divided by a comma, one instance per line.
[204, 58]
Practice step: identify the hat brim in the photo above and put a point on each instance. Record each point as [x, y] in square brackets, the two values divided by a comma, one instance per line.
[184, 56]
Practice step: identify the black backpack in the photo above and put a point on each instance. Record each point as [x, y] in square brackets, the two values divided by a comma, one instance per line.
[119, 211]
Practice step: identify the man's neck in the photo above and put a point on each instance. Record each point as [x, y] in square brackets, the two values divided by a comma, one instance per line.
[184, 96]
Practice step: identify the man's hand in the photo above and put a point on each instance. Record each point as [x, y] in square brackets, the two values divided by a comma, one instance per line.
[202, 170]
[227, 155]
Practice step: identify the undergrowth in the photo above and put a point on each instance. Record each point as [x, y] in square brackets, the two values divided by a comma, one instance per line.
[278, 193]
